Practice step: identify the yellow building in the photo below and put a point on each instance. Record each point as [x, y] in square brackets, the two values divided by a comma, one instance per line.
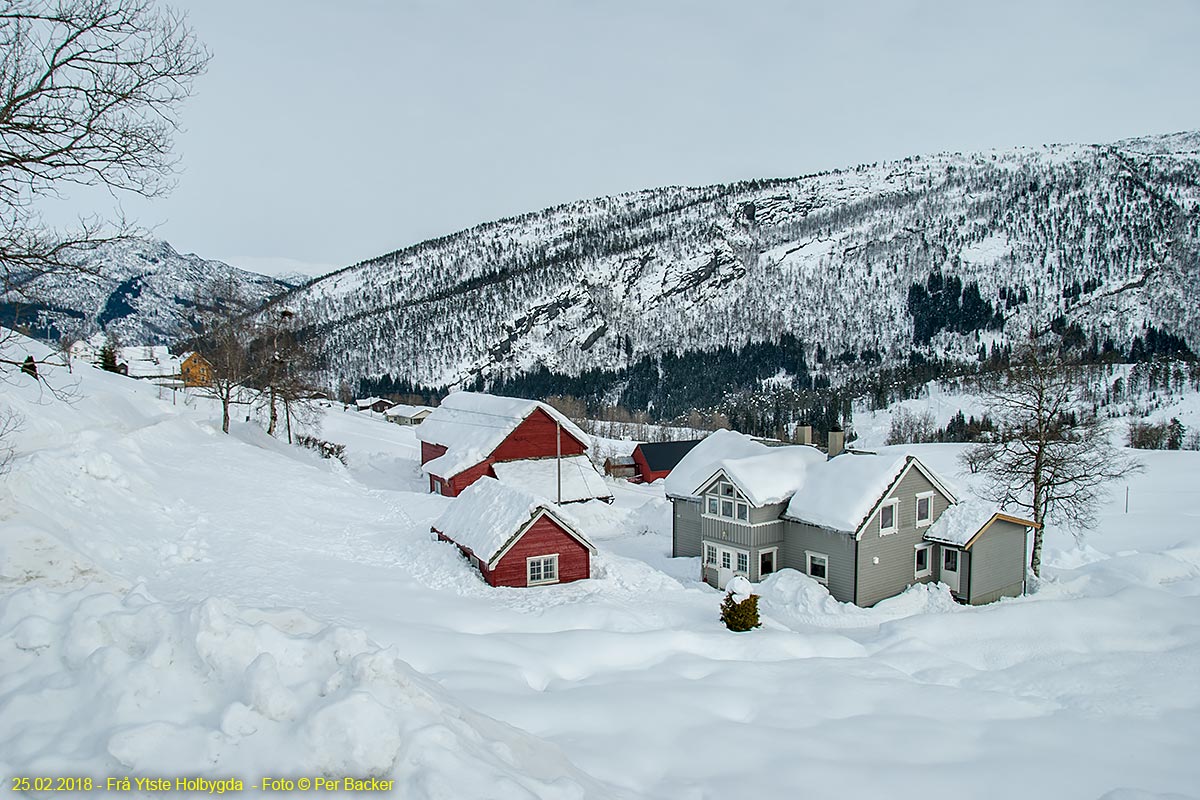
[195, 370]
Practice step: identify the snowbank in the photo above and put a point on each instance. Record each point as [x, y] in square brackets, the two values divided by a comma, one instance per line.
[93, 682]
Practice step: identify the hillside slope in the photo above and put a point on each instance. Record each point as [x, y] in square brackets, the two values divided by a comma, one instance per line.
[140, 289]
[876, 261]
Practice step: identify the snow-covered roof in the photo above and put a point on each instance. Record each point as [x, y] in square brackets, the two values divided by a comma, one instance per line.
[703, 460]
[488, 514]
[149, 361]
[773, 476]
[367, 402]
[840, 494]
[405, 410]
[471, 425]
[959, 523]
[580, 481]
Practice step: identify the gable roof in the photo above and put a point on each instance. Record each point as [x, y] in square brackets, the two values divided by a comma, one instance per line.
[405, 410]
[367, 402]
[961, 524]
[769, 477]
[489, 516]
[471, 425]
[843, 493]
[580, 481]
[703, 460]
[665, 455]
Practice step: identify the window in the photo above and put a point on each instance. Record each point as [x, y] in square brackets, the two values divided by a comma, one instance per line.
[437, 486]
[950, 560]
[743, 562]
[766, 563]
[818, 566]
[887, 518]
[922, 567]
[725, 502]
[542, 569]
[726, 559]
[710, 554]
[924, 508]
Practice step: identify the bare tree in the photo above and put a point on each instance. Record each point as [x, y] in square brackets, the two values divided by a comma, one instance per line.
[225, 342]
[89, 91]
[283, 368]
[1053, 454]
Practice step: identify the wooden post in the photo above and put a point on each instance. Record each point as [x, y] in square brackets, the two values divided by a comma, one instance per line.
[558, 456]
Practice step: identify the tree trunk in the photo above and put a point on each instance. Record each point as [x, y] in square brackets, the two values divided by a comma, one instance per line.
[287, 415]
[225, 414]
[274, 415]
[1035, 562]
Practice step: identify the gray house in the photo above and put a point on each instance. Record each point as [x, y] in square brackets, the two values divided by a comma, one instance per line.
[865, 525]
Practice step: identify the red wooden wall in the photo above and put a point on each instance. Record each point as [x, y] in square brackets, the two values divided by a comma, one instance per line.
[431, 451]
[535, 438]
[644, 468]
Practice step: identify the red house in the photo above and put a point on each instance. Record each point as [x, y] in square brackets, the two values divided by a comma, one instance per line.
[514, 538]
[655, 460]
[469, 432]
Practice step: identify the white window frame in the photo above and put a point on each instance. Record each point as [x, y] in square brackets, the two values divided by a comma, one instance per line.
[732, 553]
[926, 521]
[809, 555]
[927, 549]
[710, 550]
[729, 503]
[895, 506]
[542, 560]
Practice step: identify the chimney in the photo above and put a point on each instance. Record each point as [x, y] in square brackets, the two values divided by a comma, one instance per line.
[837, 442]
[804, 434]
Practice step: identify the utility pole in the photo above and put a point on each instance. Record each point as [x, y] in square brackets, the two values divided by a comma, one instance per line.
[558, 456]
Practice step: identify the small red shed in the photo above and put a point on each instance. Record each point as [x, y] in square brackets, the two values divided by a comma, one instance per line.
[655, 460]
[514, 538]
[469, 432]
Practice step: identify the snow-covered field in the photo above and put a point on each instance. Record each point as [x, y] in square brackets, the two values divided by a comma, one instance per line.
[176, 602]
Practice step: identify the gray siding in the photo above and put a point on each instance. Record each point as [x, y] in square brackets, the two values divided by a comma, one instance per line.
[744, 536]
[685, 528]
[767, 513]
[896, 552]
[839, 547]
[997, 567]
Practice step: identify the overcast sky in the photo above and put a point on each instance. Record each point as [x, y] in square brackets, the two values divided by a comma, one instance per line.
[329, 132]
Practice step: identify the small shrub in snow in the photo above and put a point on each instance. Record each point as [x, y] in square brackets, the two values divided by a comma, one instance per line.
[740, 615]
[326, 449]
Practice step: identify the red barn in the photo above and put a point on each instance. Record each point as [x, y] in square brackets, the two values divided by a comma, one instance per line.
[514, 538]
[469, 432]
[655, 460]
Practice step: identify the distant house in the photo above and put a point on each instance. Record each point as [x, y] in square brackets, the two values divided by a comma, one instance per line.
[403, 414]
[152, 363]
[469, 433]
[865, 525]
[620, 466]
[655, 460]
[514, 538]
[376, 404]
[195, 370]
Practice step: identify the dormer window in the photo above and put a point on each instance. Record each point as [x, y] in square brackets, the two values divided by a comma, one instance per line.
[724, 501]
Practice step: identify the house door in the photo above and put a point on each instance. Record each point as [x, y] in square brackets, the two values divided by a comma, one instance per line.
[950, 568]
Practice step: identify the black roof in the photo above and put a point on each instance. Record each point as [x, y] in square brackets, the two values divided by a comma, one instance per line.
[665, 455]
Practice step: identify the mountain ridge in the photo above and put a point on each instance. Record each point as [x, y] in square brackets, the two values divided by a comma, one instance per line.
[1083, 232]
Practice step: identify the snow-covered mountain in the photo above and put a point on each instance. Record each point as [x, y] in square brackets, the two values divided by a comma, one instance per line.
[928, 254]
[140, 289]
